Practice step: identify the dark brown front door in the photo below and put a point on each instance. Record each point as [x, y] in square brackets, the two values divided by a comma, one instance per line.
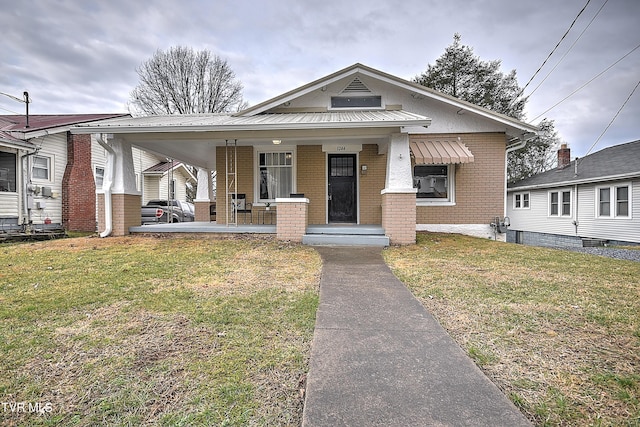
[342, 188]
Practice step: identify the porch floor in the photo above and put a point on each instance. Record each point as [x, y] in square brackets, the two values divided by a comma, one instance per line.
[321, 234]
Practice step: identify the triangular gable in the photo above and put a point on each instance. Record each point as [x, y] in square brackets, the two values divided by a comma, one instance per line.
[517, 127]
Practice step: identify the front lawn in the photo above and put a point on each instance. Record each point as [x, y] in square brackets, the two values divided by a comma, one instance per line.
[557, 331]
[139, 330]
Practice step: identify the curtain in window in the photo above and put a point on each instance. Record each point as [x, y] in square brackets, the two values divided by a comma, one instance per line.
[276, 175]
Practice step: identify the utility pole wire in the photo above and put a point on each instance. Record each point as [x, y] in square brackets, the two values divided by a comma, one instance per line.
[614, 118]
[554, 49]
[567, 52]
[583, 86]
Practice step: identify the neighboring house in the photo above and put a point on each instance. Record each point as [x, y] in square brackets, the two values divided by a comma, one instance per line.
[358, 146]
[49, 176]
[587, 201]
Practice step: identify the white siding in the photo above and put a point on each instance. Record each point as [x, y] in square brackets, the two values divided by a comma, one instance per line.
[624, 229]
[537, 219]
[55, 148]
[8, 204]
[151, 188]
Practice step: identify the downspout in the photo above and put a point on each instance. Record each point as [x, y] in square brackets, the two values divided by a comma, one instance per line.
[522, 141]
[25, 181]
[107, 184]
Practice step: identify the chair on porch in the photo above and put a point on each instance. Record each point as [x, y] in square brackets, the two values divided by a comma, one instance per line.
[239, 205]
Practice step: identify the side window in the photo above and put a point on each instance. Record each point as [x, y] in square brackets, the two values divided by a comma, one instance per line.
[41, 168]
[7, 172]
[99, 176]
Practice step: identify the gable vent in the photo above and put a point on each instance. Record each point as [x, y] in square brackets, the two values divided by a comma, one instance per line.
[356, 86]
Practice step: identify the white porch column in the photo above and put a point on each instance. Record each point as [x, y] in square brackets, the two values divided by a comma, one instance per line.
[399, 196]
[203, 195]
[125, 199]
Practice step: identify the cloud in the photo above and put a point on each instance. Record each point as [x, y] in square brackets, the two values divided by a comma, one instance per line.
[81, 56]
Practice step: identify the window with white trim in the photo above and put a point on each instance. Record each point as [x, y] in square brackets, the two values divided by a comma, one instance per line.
[275, 174]
[434, 183]
[521, 201]
[560, 203]
[7, 172]
[98, 173]
[41, 168]
[613, 201]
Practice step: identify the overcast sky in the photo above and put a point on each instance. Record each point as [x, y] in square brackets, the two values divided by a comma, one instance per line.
[80, 56]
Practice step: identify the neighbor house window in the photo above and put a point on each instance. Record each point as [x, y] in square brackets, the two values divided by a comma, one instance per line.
[560, 203]
[433, 182]
[275, 175]
[7, 172]
[614, 201]
[521, 201]
[99, 175]
[41, 168]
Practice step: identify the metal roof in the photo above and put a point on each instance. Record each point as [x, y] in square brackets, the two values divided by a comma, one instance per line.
[18, 123]
[276, 121]
[617, 162]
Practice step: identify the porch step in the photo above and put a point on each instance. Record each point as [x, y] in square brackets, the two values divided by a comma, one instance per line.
[345, 235]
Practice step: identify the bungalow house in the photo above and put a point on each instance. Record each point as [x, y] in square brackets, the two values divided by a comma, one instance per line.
[587, 201]
[49, 176]
[358, 147]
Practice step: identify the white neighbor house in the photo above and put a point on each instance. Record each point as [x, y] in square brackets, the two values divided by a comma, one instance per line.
[593, 200]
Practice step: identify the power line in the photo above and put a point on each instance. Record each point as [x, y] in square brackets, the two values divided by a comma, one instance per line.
[10, 111]
[614, 118]
[583, 86]
[554, 49]
[569, 50]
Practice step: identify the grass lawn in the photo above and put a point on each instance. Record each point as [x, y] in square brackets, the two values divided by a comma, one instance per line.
[140, 330]
[557, 331]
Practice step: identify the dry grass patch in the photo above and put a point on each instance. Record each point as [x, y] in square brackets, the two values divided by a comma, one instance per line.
[558, 331]
[148, 331]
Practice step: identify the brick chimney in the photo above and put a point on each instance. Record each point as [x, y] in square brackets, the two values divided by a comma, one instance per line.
[564, 156]
[78, 186]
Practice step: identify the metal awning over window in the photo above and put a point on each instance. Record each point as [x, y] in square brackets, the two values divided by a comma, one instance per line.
[443, 152]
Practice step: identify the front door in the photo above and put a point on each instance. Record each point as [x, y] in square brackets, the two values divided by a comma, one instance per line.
[342, 188]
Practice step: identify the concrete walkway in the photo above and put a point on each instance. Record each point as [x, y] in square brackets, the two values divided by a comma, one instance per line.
[378, 358]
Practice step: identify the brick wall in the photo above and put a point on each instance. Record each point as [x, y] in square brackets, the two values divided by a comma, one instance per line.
[78, 186]
[126, 212]
[398, 217]
[479, 186]
[293, 220]
[244, 175]
[312, 180]
[371, 184]
[202, 212]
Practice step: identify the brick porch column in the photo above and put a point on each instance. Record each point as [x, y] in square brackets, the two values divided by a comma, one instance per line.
[292, 218]
[399, 216]
[125, 197]
[399, 196]
[203, 196]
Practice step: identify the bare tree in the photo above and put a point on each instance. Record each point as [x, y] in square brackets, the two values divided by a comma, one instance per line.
[184, 81]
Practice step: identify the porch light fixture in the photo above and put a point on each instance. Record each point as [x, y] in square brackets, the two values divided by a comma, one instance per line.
[277, 141]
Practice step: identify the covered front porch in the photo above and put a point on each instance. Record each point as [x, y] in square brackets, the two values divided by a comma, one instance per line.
[334, 170]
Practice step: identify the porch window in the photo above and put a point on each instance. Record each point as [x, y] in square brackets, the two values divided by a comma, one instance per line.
[41, 168]
[521, 201]
[275, 174]
[614, 201]
[7, 172]
[560, 203]
[433, 182]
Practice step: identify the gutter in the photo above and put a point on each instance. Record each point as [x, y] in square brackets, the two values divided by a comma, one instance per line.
[107, 184]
